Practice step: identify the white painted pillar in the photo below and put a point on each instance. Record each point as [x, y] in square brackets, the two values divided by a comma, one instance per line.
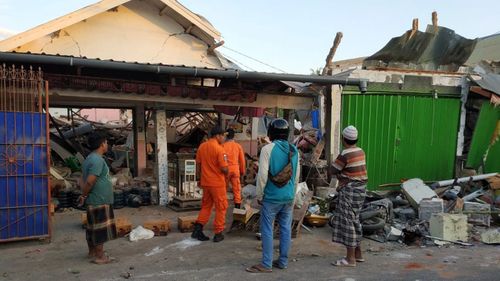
[335, 138]
[333, 105]
[162, 155]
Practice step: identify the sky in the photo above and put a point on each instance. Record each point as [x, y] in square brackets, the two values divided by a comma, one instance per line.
[290, 35]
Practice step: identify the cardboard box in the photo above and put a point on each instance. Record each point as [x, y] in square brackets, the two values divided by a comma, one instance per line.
[160, 227]
[186, 224]
[123, 226]
[243, 215]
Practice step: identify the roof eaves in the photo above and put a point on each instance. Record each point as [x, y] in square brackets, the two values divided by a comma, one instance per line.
[19, 39]
[196, 20]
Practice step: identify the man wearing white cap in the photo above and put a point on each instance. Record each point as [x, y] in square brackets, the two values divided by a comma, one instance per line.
[350, 169]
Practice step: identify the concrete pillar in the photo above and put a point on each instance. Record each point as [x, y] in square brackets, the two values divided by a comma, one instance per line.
[333, 105]
[162, 155]
[139, 140]
[336, 119]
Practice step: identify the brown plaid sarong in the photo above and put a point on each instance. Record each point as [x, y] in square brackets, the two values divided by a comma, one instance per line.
[347, 229]
[100, 224]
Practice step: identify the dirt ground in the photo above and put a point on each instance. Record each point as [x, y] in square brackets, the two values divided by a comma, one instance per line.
[177, 257]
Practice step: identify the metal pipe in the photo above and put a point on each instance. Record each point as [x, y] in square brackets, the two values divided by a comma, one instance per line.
[460, 180]
[180, 70]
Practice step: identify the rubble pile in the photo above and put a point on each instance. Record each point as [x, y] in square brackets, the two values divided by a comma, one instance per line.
[457, 211]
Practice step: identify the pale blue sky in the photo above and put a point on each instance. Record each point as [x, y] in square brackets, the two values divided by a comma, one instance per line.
[293, 35]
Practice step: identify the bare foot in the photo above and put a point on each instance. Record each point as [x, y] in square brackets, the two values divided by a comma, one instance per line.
[103, 260]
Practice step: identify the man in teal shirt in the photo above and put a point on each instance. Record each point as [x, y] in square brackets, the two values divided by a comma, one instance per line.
[97, 194]
[276, 195]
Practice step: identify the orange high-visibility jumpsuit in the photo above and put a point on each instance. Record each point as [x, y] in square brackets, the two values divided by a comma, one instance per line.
[211, 158]
[236, 161]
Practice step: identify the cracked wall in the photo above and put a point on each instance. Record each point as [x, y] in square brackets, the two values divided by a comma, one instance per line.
[134, 33]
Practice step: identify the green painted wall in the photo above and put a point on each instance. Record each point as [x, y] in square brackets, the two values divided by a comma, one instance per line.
[404, 135]
[487, 128]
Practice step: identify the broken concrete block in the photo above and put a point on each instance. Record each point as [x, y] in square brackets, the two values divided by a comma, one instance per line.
[483, 217]
[186, 224]
[415, 191]
[428, 207]
[491, 236]
[452, 227]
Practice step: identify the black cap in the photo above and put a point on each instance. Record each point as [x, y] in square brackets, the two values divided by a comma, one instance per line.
[278, 129]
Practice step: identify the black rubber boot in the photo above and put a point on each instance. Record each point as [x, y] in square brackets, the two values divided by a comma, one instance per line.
[218, 237]
[237, 205]
[198, 233]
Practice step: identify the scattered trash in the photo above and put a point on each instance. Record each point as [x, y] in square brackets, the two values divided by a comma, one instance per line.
[401, 256]
[395, 234]
[154, 251]
[73, 271]
[126, 275]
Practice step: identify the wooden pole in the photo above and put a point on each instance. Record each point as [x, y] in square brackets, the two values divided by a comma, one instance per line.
[327, 70]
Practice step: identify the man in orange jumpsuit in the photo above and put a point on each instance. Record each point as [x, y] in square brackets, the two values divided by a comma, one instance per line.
[211, 164]
[236, 161]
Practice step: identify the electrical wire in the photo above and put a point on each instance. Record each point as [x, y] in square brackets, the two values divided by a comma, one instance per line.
[259, 61]
[239, 63]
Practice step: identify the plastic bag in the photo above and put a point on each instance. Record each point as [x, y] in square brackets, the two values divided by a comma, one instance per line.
[139, 233]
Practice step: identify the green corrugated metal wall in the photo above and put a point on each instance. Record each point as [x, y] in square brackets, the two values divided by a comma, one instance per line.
[404, 135]
[486, 126]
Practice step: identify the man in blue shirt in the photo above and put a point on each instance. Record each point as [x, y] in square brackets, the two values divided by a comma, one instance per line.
[276, 184]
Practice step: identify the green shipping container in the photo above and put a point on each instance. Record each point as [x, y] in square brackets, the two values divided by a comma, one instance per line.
[485, 146]
[404, 135]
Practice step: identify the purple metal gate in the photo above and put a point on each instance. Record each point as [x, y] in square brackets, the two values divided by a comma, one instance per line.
[24, 155]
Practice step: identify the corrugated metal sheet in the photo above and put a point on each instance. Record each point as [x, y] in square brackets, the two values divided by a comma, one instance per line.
[490, 82]
[404, 135]
[486, 132]
[487, 48]
[443, 50]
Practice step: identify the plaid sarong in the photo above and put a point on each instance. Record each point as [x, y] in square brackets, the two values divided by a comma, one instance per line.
[346, 226]
[100, 224]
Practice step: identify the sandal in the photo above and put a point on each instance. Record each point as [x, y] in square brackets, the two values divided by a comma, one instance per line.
[343, 263]
[258, 268]
[357, 260]
[106, 260]
[277, 264]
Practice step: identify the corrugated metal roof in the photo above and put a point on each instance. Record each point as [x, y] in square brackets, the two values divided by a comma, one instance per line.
[441, 50]
[487, 48]
[489, 80]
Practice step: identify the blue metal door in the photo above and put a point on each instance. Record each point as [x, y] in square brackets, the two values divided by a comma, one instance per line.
[24, 163]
